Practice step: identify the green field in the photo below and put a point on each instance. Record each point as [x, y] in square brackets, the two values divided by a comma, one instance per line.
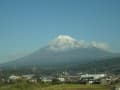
[76, 87]
[28, 86]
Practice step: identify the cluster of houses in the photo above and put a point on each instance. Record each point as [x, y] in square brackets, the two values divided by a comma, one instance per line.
[65, 78]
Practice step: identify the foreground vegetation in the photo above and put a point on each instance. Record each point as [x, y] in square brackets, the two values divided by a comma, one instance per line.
[29, 86]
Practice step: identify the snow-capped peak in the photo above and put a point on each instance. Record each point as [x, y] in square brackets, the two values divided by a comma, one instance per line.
[65, 42]
[65, 37]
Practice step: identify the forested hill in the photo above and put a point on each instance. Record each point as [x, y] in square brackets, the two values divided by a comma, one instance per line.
[106, 65]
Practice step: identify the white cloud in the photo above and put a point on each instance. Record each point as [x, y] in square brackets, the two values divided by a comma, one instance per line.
[101, 45]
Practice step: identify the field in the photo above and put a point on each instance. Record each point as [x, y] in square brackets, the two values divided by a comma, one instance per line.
[28, 86]
[76, 87]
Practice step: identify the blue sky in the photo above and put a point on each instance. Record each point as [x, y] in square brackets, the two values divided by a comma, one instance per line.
[27, 25]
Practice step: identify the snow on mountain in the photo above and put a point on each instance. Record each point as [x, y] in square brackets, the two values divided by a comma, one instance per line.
[65, 42]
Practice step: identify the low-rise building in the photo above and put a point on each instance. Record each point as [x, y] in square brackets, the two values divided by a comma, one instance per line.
[46, 79]
[93, 76]
[61, 79]
[28, 76]
[13, 77]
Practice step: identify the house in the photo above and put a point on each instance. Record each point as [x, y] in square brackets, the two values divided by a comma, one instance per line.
[61, 79]
[32, 81]
[28, 76]
[93, 76]
[46, 79]
[13, 77]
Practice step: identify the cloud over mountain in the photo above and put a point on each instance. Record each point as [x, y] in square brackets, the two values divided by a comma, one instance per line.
[64, 42]
[101, 45]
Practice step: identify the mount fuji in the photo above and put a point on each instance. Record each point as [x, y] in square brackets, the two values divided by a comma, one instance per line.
[64, 50]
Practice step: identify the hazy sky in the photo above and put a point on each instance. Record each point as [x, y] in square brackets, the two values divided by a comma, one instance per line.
[26, 25]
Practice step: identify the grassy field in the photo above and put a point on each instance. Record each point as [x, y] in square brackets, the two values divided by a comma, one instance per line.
[26, 86]
[76, 87]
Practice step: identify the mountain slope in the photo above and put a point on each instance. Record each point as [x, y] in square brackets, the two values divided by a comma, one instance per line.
[63, 49]
[106, 65]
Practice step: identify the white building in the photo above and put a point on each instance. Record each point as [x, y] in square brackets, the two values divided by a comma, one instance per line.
[61, 79]
[46, 79]
[93, 76]
[28, 76]
[13, 77]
